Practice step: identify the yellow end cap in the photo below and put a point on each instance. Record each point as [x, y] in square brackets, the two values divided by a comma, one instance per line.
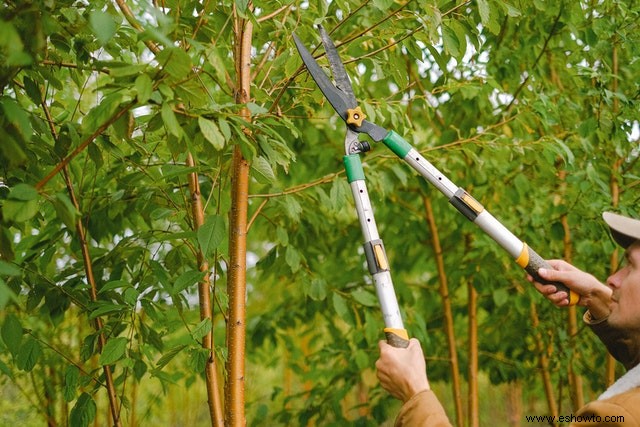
[574, 298]
[523, 259]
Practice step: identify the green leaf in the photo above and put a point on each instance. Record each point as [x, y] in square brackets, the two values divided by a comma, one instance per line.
[66, 211]
[198, 359]
[114, 284]
[102, 112]
[12, 333]
[5, 370]
[292, 258]
[176, 62]
[340, 306]
[8, 269]
[450, 39]
[383, 5]
[113, 351]
[317, 289]
[169, 355]
[6, 294]
[211, 234]
[484, 11]
[186, 280]
[19, 211]
[225, 128]
[17, 117]
[365, 297]
[71, 377]
[144, 88]
[83, 412]
[23, 192]
[211, 133]
[241, 7]
[201, 329]
[28, 354]
[264, 171]
[103, 26]
[500, 297]
[170, 120]
[131, 296]
[106, 308]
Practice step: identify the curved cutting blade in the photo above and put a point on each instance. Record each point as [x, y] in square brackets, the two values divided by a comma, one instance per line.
[336, 97]
[341, 97]
[340, 75]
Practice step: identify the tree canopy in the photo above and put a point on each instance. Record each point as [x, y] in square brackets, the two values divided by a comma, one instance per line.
[118, 119]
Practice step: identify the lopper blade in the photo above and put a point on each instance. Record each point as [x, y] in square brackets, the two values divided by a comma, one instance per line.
[340, 75]
[336, 98]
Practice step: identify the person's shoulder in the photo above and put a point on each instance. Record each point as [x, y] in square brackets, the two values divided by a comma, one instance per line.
[627, 397]
[621, 409]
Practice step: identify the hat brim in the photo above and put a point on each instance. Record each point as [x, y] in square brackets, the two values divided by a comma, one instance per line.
[624, 230]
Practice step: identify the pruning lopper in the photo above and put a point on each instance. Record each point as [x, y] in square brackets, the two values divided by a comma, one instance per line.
[343, 100]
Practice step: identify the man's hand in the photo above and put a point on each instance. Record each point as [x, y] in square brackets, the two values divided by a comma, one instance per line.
[402, 371]
[593, 294]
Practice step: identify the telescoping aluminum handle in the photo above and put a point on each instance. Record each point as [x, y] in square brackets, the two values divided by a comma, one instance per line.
[524, 255]
[376, 255]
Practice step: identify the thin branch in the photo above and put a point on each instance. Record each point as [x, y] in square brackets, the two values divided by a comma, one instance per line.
[84, 145]
[88, 267]
[299, 188]
[274, 13]
[128, 14]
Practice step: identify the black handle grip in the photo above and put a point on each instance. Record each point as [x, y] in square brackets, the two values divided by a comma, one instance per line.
[536, 262]
[396, 337]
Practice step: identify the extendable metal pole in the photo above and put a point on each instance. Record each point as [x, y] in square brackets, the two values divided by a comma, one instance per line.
[524, 256]
[375, 253]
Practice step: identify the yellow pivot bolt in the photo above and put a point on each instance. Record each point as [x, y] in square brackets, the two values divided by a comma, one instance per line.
[355, 116]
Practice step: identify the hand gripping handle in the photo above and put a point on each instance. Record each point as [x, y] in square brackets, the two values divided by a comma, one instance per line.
[397, 338]
[535, 263]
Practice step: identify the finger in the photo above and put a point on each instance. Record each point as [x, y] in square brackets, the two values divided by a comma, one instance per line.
[545, 289]
[559, 298]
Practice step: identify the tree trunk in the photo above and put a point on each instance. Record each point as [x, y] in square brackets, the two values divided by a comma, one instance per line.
[204, 294]
[514, 404]
[448, 313]
[236, 327]
[473, 415]
[543, 363]
[86, 257]
[575, 380]
[610, 367]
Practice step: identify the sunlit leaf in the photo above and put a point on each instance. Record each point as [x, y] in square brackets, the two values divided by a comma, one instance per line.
[114, 350]
[211, 133]
[211, 234]
[103, 26]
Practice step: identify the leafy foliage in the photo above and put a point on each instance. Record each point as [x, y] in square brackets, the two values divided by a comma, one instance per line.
[101, 103]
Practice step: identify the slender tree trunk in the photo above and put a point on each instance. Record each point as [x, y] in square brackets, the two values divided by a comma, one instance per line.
[543, 363]
[216, 413]
[86, 257]
[575, 380]
[473, 416]
[514, 403]
[610, 367]
[114, 410]
[236, 327]
[49, 398]
[448, 313]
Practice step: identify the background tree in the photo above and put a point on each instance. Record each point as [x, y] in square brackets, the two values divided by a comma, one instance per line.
[119, 119]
